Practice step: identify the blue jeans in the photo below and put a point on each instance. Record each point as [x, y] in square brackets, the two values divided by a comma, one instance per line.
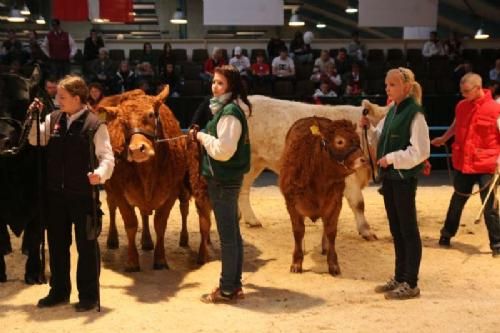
[224, 200]
[464, 183]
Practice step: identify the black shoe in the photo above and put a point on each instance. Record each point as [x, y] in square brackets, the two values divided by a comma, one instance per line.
[496, 252]
[85, 305]
[52, 300]
[3, 278]
[444, 241]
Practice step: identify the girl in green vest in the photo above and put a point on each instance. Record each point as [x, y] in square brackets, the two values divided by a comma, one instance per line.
[402, 148]
[226, 160]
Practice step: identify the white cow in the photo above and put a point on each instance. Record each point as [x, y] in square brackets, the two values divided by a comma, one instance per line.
[268, 125]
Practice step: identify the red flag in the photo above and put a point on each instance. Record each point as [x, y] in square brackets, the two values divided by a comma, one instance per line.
[75, 10]
[116, 10]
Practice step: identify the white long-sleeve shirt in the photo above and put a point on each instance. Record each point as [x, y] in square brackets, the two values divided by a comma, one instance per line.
[419, 148]
[72, 47]
[102, 143]
[228, 132]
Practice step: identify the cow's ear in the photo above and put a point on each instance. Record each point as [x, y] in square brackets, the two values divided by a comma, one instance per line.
[162, 95]
[110, 111]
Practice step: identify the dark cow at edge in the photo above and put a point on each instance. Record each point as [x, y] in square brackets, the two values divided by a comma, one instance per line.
[319, 153]
[18, 175]
[151, 175]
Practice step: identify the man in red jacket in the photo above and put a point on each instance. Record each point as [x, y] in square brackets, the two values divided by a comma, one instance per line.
[60, 48]
[475, 155]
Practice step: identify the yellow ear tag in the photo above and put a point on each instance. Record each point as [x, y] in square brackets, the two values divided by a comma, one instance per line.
[315, 130]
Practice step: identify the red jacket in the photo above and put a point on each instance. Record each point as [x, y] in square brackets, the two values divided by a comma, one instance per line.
[477, 139]
[59, 48]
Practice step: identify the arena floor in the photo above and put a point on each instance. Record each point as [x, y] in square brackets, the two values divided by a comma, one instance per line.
[460, 286]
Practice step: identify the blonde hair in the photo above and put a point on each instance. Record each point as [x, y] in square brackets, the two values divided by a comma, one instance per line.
[407, 76]
[473, 79]
[75, 86]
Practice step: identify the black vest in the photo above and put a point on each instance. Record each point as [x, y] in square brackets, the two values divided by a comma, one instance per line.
[68, 153]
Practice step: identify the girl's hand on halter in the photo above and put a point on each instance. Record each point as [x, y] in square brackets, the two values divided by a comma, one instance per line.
[364, 122]
[193, 131]
[36, 105]
[383, 162]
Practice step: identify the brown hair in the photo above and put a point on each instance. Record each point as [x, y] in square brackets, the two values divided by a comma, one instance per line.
[75, 86]
[407, 76]
[235, 83]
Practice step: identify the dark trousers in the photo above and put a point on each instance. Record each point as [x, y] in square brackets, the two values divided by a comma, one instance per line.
[224, 200]
[464, 183]
[399, 200]
[64, 211]
[60, 68]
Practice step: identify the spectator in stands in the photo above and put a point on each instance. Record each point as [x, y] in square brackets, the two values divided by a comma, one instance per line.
[211, 63]
[145, 73]
[342, 61]
[356, 50]
[260, 69]
[101, 69]
[274, 47]
[15, 67]
[48, 97]
[124, 79]
[283, 66]
[34, 49]
[453, 47]
[147, 54]
[320, 63]
[331, 75]
[433, 47]
[60, 48]
[96, 93]
[170, 77]
[354, 81]
[92, 45]
[241, 62]
[299, 50]
[495, 71]
[462, 69]
[166, 57]
[12, 48]
[325, 90]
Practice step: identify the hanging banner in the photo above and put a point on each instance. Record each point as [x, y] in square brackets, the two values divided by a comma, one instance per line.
[75, 10]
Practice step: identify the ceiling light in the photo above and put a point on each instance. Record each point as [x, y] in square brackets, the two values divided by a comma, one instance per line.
[25, 10]
[481, 33]
[351, 10]
[320, 25]
[295, 21]
[178, 17]
[15, 16]
[40, 20]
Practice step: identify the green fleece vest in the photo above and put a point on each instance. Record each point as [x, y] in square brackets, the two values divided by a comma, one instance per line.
[239, 164]
[396, 136]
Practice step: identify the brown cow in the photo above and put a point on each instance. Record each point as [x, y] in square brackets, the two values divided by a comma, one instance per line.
[151, 174]
[319, 153]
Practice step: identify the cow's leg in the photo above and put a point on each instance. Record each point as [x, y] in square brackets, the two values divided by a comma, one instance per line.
[146, 241]
[244, 198]
[112, 241]
[131, 223]
[330, 220]
[203, 207]
[184, 208]
[160, 222]
[3, 275]
[298, 234]
[354, 196]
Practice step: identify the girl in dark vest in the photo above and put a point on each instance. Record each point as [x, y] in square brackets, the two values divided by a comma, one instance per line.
[67, 134]
[402, 148]
[226, 160]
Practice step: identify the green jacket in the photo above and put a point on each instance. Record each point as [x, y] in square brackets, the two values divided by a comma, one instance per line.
[239, 164]
[396, 136]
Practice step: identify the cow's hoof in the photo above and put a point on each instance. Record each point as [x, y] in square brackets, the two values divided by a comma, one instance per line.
[368, 235]
[160, 266]
[112, 245]
[132, 269]
[3, 278]
[296, 268]
[147, 246]
[32, 279]
[334, 270]
[202, 260]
